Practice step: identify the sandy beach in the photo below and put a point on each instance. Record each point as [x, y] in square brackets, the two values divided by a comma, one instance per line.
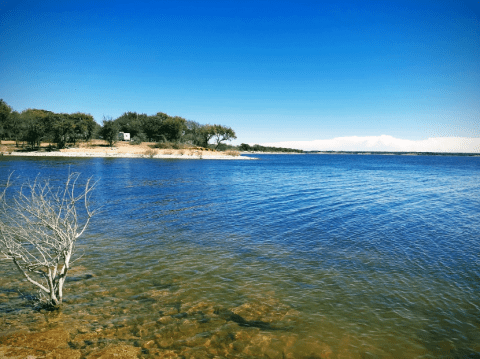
[98, 148]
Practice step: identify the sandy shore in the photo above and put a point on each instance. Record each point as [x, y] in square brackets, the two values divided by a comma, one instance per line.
[97, 148]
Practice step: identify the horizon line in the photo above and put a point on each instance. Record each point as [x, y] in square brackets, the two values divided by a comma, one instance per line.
[385, 143]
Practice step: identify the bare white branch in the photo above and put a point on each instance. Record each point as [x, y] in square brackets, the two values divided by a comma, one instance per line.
[39, 226]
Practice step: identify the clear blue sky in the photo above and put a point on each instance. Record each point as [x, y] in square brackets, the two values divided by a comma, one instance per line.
[272, 70]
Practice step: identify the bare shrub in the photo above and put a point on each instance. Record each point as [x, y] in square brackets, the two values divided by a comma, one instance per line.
[232, 153]
[39, 227]
[150, 152]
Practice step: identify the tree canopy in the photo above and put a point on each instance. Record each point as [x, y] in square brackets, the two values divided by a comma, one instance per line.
[37, 125]
[132, 123]
[222, 133]
[109, 131]
[5, 112]
[164, 128]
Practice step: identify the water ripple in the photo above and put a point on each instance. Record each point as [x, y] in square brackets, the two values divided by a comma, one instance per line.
[374, 254]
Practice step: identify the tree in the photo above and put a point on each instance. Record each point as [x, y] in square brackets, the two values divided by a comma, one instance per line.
[222, 133]
[109, 131]
[39, 227]
[5, 111]
[152, 126]
[192, 133]
[97, 128]
[205, 133]
[245, 147]
[62, 129]
[37, 124]
[131, 122]
[173, 128]
[16, 127]
[83, 126]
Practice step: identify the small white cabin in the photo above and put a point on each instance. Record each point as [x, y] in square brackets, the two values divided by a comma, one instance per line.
[123, 136]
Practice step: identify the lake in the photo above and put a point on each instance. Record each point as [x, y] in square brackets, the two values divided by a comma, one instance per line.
[289, 256]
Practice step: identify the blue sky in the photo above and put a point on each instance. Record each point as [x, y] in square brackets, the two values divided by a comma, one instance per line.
[274, 71]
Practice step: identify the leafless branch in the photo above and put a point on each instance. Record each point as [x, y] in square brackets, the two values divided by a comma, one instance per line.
[39, 226]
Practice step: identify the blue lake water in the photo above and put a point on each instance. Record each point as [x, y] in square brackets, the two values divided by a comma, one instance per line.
[321, 255]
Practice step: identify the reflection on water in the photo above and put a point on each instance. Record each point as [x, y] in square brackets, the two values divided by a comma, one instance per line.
[288, 257]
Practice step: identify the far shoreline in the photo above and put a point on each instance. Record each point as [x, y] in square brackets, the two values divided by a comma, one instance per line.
[392, 153]
[270, 153]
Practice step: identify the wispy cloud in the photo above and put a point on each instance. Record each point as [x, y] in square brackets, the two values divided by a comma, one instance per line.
[386, 143]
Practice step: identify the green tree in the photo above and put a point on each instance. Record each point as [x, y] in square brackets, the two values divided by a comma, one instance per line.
[192, 133]
[152, 126]
[173, 128]
[16, 127]
[131, 122]
[5, 112]
[37, 125]
[96, 130]
[245, 147]
[205, 133]
[222, 133]
[83, 126]
[62, 129]
[109, 131]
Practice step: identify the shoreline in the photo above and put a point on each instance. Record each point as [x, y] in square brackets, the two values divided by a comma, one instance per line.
[105, 154]
[98, 148]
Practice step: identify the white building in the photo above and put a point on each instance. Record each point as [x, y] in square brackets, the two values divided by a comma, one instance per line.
[123, 136]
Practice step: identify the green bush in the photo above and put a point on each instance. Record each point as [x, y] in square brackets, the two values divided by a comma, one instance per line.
[138, 139]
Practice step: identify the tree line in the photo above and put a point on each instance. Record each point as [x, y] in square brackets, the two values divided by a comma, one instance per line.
[34, 126]
[164, 128]
[259, 148]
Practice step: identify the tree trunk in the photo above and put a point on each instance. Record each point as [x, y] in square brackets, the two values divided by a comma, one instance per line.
[51, 287]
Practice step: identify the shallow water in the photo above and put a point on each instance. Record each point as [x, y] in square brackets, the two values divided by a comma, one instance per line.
[289, 256]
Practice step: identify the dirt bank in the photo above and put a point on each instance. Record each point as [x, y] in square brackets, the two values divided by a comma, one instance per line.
[99, 148]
